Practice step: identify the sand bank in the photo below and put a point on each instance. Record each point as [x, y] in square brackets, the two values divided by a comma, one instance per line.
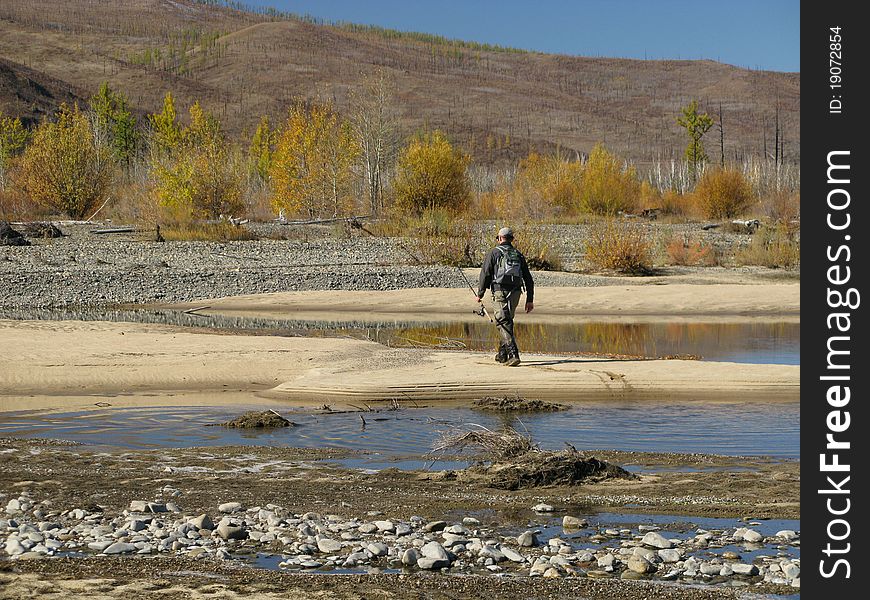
[56, 362]
[653, 301]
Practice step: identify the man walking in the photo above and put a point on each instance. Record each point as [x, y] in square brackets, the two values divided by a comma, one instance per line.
[505, 271]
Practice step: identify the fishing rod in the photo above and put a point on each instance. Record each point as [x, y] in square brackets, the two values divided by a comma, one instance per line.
[483, 312]
[357, 224]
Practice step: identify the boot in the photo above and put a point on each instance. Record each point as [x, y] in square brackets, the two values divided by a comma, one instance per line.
[502, 355]
[513, 356]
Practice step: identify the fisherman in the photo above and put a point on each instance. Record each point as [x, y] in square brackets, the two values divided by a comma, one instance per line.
[505, 271]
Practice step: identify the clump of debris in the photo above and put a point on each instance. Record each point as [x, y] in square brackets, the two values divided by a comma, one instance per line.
[510, 460]
[516, 404]
[11, 237]
[257, 419]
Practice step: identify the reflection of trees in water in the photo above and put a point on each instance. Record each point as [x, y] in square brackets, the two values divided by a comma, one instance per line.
[631, 339]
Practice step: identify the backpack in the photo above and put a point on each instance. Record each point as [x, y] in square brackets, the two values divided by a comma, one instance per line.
[508, 269]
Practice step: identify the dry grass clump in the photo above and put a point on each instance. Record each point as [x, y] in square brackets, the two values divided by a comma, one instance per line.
[486, 444]
[515, 462]
[620, 246]
[685, 252]
[773, 247]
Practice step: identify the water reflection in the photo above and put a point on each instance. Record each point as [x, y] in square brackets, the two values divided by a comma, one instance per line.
[730, 429]
[745, 342]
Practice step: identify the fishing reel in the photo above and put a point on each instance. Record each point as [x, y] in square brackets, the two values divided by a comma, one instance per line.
[480, 311]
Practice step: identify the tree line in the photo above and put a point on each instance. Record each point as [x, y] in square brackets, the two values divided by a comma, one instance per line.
[317, 163]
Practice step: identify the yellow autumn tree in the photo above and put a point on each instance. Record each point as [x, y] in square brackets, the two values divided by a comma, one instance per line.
[198, 175]
[261, 150]
[63, 169]
[431, 174]
[547, 184]
[311, 168]
[608, 185]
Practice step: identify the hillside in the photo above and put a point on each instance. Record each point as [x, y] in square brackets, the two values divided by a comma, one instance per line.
[499, 104]
[31, 95]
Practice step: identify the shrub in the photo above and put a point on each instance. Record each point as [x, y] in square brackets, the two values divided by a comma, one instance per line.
[782, 206]
[686, 252]
[621, 246]
[546, 184]
[537, 245]
[723, 194]
[444, 237]
[774, 247]
[13, 139]
[63, 169]
[431, 174]
[200, 175]
[608, 186]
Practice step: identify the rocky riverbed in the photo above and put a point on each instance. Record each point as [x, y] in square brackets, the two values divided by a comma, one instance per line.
[285, 510]
[83, 269]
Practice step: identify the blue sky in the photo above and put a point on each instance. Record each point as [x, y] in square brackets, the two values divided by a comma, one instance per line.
[759, 34]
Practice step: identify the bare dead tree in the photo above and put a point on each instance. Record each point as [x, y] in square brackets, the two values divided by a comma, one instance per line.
[721, 139]
[375, 125]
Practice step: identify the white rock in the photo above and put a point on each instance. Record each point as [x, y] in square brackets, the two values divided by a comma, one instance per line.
[787, 534]
[656, 540]
[512, 555]
[638, 564]
[791, 570]
[100, 545]
[378, 548]
[744, 569]
[543, 508]
[569, 522]
[606, 561]
[410, 556]
[425, 562]
[670, 555]
[527, 539]
[119, 548]
[328, 545]
[230, 507]
[750, 535]
[434, 550]
[14, 547]
[385, 526]
[491, 552]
